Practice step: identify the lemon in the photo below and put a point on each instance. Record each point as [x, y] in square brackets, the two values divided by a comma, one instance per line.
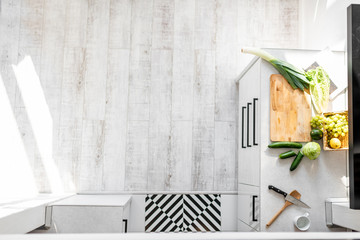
[335, 143]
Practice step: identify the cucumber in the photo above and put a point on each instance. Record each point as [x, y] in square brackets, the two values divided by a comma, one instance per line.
[287, 154]
[285, 145]
[296, 161]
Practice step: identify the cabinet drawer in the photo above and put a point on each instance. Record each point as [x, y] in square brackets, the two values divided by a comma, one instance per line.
[243, 227]
[87, 219]
[249, 205]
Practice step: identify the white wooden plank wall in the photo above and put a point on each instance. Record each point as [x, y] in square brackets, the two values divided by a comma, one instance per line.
[72, 92]
[203, 142]
[10, 26]
[141, 93]
[51, 68]
[179, 170]
[30, 44]
[92, 151]
[204, 96]
[227, 69]
[116, 119]
[160, 94]
[137, 148]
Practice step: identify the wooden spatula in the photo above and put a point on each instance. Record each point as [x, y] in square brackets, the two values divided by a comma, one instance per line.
[296, 195]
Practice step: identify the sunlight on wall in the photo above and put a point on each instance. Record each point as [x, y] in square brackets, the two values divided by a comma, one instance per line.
[316, 11]
[16, 178]
[329, 3]
[323, 23]
[39, 115]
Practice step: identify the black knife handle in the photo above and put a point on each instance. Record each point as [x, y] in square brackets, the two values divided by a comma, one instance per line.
[271, 187]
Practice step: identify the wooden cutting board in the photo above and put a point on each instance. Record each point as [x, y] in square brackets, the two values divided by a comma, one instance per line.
[290, 112]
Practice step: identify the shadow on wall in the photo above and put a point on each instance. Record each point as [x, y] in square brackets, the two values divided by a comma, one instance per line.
[17, 171]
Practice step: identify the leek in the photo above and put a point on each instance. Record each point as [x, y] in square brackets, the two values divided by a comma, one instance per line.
[295, 76]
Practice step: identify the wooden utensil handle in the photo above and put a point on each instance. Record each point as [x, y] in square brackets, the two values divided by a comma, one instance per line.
[276, 215]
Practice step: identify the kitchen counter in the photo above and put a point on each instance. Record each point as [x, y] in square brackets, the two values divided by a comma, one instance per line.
[26, 215]
[316, 180]
[90, 213]
[183, 236]
[95, 200]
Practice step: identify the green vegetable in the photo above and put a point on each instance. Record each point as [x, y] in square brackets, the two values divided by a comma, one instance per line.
[296, 161]
[319, 88]
[287, 154]
[312, 150]
[285, 145]
[316, 134]
[295, 76]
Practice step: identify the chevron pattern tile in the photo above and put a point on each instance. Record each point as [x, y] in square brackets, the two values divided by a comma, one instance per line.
[164, 213]
[202, 213]
[182, 213]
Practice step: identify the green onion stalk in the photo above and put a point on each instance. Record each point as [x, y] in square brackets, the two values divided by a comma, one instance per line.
[295, 76]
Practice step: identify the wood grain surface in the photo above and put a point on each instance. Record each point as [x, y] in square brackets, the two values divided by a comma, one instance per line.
[141, 93]
[290, 112]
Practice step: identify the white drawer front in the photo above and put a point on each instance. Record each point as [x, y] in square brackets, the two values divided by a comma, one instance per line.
[87, 219]
[249, 205]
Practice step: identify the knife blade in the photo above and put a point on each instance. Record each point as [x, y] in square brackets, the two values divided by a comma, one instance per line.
[289, 198]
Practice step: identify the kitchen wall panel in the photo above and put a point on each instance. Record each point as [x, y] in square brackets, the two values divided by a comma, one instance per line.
[141, 93]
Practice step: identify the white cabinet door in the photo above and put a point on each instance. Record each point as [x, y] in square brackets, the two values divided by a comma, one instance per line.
[87, 219]
[248, 205]
[243, 227]
[249, 119]
[243, 151]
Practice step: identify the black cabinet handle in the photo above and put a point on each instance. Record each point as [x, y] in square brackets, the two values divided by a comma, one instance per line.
[254, 121]
[242, 128]
[253, 208]
[248, 132]
[126, 225]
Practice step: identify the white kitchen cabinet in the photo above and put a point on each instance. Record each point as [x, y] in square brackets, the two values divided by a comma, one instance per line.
[248, 202]
[89, 214]
[259, 166]
[20, 217]
[243, 227]
[248, 149]
[249, 118]
[87, 219]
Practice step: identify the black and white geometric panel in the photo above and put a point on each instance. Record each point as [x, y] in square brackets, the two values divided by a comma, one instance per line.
[182, 213]
[202, 213]
[164, 213]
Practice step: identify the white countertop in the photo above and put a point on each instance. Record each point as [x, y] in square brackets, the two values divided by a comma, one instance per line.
[26, 215]
[316, 180]
[95, 200]
[42, 200]
[185, 236]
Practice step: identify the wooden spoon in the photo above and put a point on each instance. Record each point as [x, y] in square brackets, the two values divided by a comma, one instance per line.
[296, 195]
